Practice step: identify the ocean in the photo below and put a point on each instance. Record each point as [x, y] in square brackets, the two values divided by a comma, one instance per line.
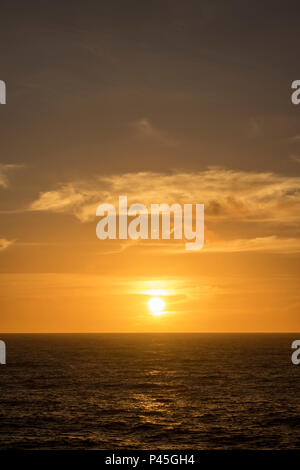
[149, 391]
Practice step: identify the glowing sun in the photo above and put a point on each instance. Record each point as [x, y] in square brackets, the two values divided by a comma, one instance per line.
[156, 306]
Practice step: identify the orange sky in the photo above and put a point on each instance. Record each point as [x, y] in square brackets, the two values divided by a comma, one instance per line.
[163, 103]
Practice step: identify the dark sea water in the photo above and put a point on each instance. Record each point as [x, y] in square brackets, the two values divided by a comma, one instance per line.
[149, 391]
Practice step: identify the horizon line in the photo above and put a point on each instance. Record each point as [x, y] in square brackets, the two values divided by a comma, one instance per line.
[147, 332]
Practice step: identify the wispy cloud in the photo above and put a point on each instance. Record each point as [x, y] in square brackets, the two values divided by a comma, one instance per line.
[295, 158]
[238, 195]
[146, 130]
[268, 244]
[63, 199]
[269, 200]
[4, 244]
[4, 170]
[271, 244]
[295, 138]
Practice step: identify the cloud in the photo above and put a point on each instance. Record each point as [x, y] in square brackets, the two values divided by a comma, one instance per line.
[295, 158]
[61, 200]
[269, 200]
[271, 244]
[4, 170]
[295, 138]
[268, 244]
[227, 194]
[5, 243]
[145, 130]
[255, 127]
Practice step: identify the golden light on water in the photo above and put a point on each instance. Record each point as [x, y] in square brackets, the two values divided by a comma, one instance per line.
[156, 306]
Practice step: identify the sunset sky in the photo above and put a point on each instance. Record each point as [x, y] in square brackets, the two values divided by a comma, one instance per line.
[162, 101]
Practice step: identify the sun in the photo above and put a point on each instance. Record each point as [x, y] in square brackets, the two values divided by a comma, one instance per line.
[156, 305]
